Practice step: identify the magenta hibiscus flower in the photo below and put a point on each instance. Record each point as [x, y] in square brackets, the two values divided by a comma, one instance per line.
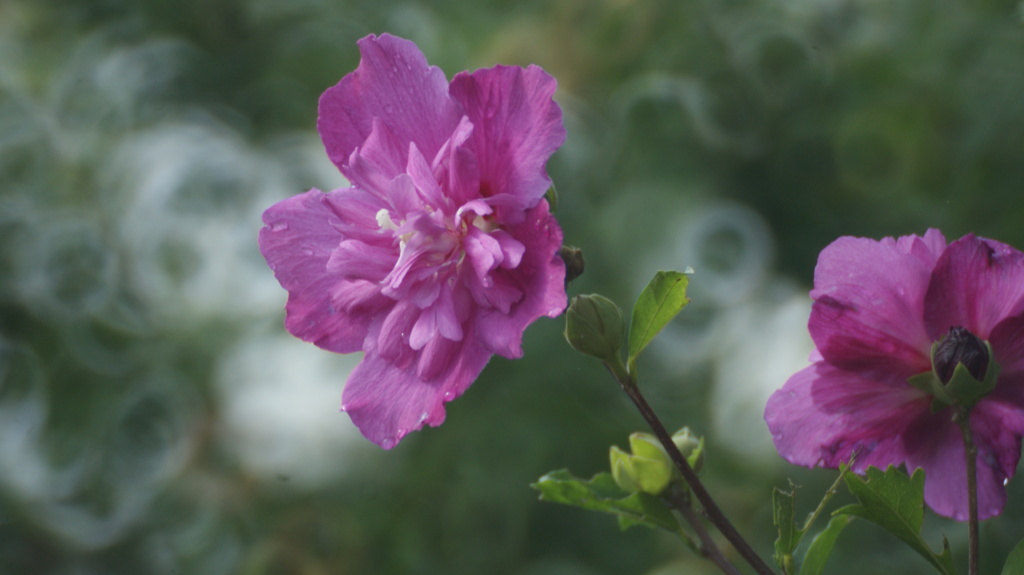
[442, 251]
[878, 308]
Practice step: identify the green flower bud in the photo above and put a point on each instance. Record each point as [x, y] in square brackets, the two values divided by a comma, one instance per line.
[647, 469]
[646, 445]
[594, 326]
[691, 446]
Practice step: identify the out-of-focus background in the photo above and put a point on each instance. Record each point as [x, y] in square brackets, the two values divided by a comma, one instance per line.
[156, 418]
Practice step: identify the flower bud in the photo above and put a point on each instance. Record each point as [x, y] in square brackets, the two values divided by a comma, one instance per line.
[594, 326]
[960, 346]
[691, 446]
[573, 258]
[647, 469]
[963, 370]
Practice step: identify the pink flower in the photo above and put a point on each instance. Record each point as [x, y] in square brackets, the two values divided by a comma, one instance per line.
[442, 251]
[878, 307]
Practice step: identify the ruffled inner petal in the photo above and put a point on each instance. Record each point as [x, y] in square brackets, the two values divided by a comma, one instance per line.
[377, 160]
[437, 354]
[484, 254]
[535, 288]
[353, 259]
[503, 291]
[298, 241]
[516, 127]
[430, 192]
[456, 164]
[352, 296]
[393, 340]
[438, 319]
[512, 250]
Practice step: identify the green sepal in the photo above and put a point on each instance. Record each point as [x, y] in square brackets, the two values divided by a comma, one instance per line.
[895, 503]
[962, 389]
[552, 197]
[930, 383]
[601, 493]
[965, 389]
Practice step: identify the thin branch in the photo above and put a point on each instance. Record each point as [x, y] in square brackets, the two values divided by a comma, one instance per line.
[707, 548]
[711, 509]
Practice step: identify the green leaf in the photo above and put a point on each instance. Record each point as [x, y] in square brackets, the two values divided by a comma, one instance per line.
[1015, 562]
[660, 301]
[601, 493]
[895, 503]
[821, 546]
[784, 509]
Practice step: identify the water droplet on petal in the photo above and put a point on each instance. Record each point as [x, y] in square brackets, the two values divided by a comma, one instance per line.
[449, 395]
[1006, 480]
[279, 226]
[387, 442]
[307, 251]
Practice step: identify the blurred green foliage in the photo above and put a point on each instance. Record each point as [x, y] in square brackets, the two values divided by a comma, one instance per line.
[140, 140]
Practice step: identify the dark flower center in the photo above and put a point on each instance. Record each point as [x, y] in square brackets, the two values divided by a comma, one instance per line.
[960, 346]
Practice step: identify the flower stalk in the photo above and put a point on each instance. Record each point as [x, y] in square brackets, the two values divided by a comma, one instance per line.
[962, 419]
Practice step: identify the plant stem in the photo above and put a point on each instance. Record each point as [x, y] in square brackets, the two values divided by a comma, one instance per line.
[711, 509]
[824, 500]
[707, 547]
[962, 419]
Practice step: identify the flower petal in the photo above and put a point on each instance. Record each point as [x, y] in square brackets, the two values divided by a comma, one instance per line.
[298, 242]
[1007, 340]
[394, 84]
[386, 401]
[392, 338]
[378, 160]
[976, 284]
[823, 415]
[869, 304]
[934, 444]
[438, 321]
[456, 164]
[540, 276]
[516, 127]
